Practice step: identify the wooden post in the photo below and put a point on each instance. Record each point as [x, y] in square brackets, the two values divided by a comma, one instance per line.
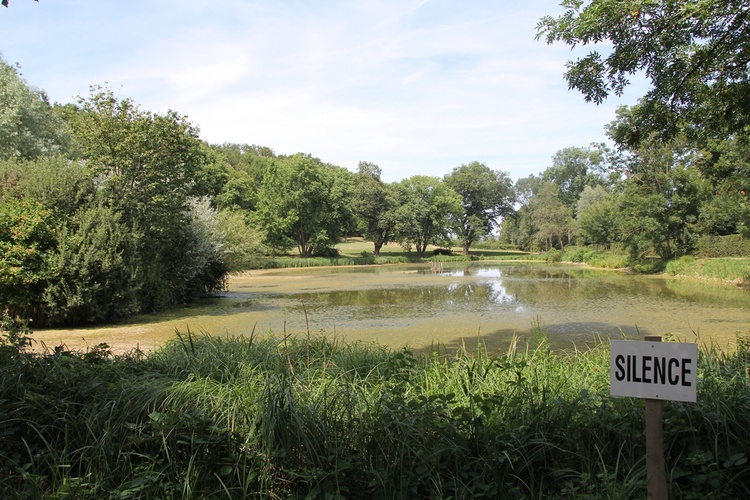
[656, 471]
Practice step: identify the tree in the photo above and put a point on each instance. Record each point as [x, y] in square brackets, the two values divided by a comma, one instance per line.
[726, 166]
[247, 165]
[375, 205]
[29, 128]
[426, 205]
[27, 236]
[519, 229]
[241, 244]
[695, 54]
[146, 165]
[551, 217]
[54, 181]
[596, 216]
[572, 170]
[486, 196]
[661, 203]
[94, 269]
[306, 202]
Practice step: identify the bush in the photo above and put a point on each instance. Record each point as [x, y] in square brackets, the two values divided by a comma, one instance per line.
[648, 265]
[608, 260]
[685, 265]
[442, 251]
[242, 417]
[733, 245]
[93, 265]
[326, 252]
[553, 255]
[575, 254]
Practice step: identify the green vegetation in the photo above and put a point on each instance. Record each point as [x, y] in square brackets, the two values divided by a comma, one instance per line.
[108, 210]
[731, 269]
[692, 53]
[298, 417]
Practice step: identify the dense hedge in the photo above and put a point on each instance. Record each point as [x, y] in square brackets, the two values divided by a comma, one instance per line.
[733, 245]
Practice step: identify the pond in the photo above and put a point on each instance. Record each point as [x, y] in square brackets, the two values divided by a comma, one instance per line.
[456, 305]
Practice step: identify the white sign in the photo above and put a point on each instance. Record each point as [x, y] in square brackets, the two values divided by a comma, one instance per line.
[654, 370]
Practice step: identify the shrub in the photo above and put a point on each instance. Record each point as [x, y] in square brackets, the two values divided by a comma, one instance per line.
[609, 260]
[685, 265]
[575, 254]
[326, 252]
[733, 245]
[553, 255]
[442, 251]
[93, 265]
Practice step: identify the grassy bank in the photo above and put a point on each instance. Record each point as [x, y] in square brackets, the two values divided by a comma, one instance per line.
[308, 417]
[732, 270]
[357, 252]
[727, 269]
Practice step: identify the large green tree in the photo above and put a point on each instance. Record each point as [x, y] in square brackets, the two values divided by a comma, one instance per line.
[486, 197]
[694, 53]
[29, 128]
[551, 217]
[661, 203]
[247, 165]
[597, 217]
[147, 165]
[572, 170]
[726, 166]
[426, 207]
[304, 202]
[375, 204]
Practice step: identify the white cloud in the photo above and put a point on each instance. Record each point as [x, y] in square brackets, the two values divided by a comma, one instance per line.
[415, 86]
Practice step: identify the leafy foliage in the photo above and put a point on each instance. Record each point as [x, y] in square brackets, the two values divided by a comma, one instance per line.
[486, 196]
[300, 417]
[27, 236]
[426, 206]
[93, 267]
[28, 126]
[375, 205]
[304, 201]
[147, 165]
[694, 53]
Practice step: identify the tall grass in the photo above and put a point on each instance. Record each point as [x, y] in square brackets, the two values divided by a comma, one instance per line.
[722, 268]
[300, 416]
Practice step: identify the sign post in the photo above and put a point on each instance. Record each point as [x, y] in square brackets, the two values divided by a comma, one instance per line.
[656, 372]
[656, 469]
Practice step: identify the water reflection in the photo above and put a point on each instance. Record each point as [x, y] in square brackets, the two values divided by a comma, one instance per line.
[397, 305]
[568, 300]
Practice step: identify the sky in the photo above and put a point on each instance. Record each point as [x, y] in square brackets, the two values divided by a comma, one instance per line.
[414, 86]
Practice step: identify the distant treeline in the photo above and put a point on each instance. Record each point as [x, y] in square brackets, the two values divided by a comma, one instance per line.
[107, 210]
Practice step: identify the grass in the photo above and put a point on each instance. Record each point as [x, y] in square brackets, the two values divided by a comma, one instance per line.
[357, 252]
[309, 417]
[734, 269]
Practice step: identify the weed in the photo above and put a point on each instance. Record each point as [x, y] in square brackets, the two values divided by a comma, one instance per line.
[305, 416]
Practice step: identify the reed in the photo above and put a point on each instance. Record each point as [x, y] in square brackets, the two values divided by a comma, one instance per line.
[298, 416]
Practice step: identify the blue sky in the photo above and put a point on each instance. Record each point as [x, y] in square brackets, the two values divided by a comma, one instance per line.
[415, 86]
